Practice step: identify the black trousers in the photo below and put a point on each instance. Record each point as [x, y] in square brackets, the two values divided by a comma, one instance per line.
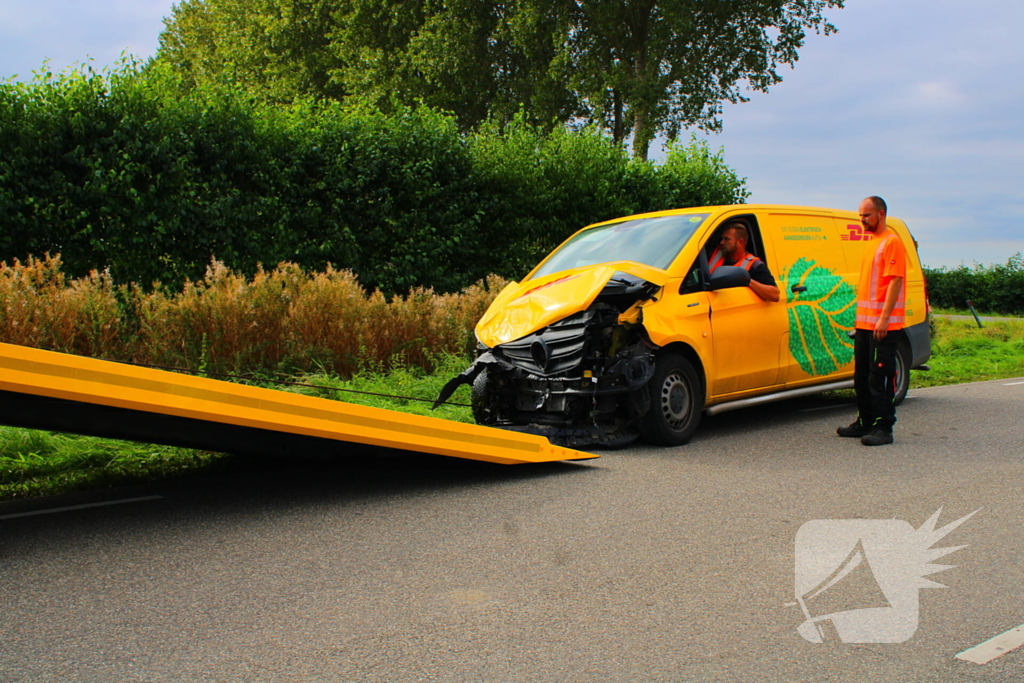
[874, 377]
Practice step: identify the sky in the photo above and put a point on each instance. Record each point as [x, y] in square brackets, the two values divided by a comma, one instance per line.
[918, 101]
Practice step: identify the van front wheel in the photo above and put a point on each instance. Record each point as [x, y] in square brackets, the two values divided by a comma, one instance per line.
[676, 402]
[484, 399]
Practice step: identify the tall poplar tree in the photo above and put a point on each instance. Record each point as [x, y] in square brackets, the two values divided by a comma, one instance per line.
[655, 66]
[633, 67]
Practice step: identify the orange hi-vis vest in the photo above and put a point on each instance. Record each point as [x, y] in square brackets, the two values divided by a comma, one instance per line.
[879, 265]
[718, 259]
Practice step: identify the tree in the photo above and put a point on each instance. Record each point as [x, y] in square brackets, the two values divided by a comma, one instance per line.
[278, 49]
[632, 67]
[489, 60]
[479, 59]
[650, 66]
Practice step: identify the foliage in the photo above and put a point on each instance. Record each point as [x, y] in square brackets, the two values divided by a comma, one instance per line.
[395, 389]
[280, 49]
[42, 308]
[134, 173]
[629, 66]
[542, 187]
[996, 289]
[285, 320]
[645, 67]
[36, 463]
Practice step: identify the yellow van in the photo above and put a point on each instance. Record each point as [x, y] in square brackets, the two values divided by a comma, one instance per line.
[623, 331]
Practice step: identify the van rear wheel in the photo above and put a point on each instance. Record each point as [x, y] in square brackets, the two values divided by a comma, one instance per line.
[676, 402]
[902, 374]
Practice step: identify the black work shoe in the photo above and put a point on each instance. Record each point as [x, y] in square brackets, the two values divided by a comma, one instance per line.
[854, 430]
[877, 437]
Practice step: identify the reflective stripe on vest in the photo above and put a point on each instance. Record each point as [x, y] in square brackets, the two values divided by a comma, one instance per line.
[870, 311]
[717, 259]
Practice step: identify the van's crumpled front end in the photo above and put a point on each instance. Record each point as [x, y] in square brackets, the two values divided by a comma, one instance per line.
[565, 353]
[566, 356]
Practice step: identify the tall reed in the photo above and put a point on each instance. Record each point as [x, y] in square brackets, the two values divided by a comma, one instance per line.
[282, 320]
[40, 307]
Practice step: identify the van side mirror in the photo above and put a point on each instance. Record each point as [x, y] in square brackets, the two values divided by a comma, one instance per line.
[725, 277]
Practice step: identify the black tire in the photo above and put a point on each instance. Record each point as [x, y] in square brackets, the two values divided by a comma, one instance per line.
[902, 374]
[483, 400]
[677, 401]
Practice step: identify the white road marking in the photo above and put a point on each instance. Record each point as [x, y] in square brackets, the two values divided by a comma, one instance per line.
[80, 507]
[1012, 384]
[994, 647]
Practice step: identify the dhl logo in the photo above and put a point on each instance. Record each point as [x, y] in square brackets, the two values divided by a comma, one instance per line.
[855, 234]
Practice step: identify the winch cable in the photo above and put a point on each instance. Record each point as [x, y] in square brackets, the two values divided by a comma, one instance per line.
[247, 380]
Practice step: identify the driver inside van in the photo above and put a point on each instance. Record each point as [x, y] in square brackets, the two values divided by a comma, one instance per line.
[732, 251]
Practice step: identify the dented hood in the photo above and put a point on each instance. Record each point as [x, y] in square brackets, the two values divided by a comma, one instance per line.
[525, 307]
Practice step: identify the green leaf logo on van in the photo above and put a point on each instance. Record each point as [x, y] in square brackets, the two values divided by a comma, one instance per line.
[819, 317]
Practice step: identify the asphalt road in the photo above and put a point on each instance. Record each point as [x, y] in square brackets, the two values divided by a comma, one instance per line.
[644, 565]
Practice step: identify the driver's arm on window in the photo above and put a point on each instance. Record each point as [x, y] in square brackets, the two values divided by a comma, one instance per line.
[766, 292]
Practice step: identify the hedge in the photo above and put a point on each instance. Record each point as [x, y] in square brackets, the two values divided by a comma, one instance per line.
[993, 289]
[125, 171]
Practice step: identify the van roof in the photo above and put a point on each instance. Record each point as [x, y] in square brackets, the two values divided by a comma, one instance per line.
[717, 210]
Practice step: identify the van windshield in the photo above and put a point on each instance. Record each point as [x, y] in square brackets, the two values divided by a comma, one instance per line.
[650, 241]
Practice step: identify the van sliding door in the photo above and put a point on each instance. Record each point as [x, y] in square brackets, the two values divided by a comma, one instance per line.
[812, 257]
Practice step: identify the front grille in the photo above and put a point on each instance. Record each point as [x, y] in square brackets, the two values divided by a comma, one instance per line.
[554, 350]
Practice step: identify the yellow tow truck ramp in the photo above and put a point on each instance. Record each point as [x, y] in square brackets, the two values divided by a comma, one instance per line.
[61, 392]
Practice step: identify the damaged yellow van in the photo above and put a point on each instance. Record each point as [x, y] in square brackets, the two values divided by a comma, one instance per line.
[623, 330]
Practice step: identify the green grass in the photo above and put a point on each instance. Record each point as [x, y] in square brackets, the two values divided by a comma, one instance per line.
[967, 311]
[411, 382]
[963, 353]
[35, 463]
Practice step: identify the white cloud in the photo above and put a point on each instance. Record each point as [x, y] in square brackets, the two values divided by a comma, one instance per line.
[936, 93]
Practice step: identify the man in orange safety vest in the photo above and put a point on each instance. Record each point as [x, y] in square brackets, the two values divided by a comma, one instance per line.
[879, 327]
[732, 251]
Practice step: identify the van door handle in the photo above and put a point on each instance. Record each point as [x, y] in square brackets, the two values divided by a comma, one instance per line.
[797, 289]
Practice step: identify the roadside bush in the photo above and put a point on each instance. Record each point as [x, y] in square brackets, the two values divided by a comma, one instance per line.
[538, 188]
[123, 173]
[284, 320]
[995, 289]
[42, 308]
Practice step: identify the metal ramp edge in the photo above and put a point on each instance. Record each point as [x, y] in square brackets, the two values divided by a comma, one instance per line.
[58, 391]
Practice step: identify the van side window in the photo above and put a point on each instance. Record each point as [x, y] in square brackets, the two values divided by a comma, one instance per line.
[694, 281]
[754, 243]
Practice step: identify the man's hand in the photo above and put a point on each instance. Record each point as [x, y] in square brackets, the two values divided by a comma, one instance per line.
[881, 328]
